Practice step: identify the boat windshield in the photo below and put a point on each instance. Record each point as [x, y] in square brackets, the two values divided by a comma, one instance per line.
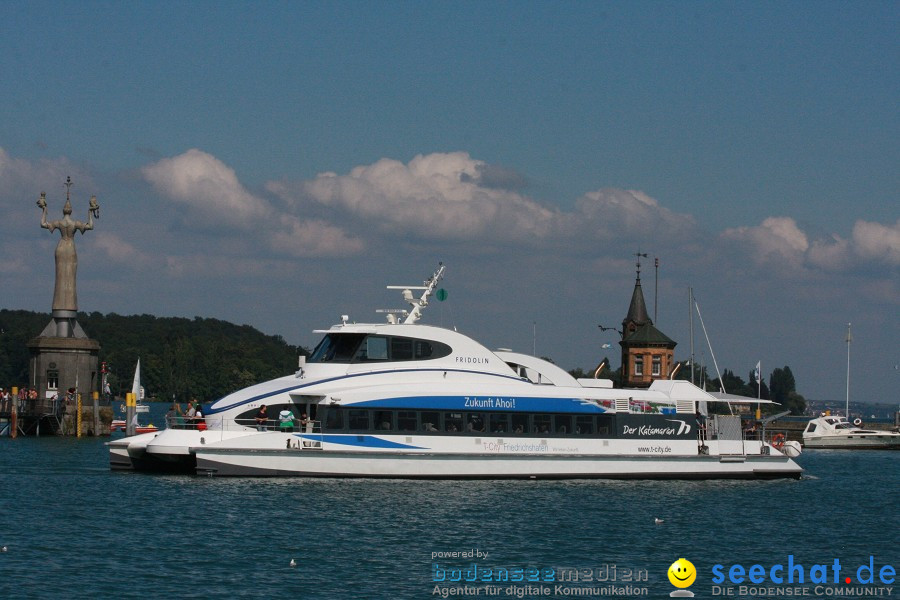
[339, 348]
[360, 347]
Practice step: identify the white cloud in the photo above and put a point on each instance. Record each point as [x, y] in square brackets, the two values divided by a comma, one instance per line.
[610, 213]
[18, 175]
[834, 254]
[118, 250]
[435, 195]
[15, 260]
[451, 196]
[207, 185]
[22, 181]
[777, 241]
[313, 238]
[878, 242]
[215, 195]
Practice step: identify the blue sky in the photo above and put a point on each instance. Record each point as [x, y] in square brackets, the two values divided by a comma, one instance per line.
[278, 163]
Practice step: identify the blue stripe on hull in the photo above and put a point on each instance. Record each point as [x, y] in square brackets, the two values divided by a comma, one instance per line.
[212, 409]
[359, 441]
[481, 403]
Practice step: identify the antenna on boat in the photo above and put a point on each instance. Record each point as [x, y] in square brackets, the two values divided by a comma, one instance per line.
[712, 353]
[418, 304]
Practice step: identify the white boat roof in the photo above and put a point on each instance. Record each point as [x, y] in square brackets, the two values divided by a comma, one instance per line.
[735, 399]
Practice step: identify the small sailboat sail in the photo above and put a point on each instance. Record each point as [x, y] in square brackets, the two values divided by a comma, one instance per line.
[136, 389]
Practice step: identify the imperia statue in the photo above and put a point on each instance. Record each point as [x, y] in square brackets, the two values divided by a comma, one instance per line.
[65, 297]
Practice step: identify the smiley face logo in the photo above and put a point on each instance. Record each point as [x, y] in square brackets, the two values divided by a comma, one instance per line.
[682, 573]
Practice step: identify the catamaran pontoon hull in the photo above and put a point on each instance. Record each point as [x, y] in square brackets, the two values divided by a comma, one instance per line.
[276, 463]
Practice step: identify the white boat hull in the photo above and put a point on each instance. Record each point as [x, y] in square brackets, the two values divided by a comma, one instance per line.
[126, 454]
[425, 457]
[837, 433]
[431, 466]
[886, 441]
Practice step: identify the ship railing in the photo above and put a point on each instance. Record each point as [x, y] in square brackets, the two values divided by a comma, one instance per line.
[185, 422]
[312, 429]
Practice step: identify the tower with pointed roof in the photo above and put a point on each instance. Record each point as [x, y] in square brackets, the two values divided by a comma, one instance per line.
[647, 353]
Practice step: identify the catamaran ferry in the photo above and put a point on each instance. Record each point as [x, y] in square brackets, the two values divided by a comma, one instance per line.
[405, 400]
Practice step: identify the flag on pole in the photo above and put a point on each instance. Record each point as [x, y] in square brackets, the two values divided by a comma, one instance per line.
[758, 386]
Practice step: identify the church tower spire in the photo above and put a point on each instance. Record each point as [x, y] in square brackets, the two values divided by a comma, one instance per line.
[647, 353]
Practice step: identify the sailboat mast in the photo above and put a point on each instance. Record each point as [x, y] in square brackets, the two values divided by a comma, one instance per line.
[691, 314]
[849, 339]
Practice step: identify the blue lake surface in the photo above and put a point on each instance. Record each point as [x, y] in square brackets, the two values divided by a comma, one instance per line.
[76, 530]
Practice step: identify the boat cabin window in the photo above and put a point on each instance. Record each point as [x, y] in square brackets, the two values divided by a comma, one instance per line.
[359, 347]
[454, 422]
[334, 419]
[562, 423]
[584, 425]
[519, 423]
[402, 348]
[498, 423]
[431, 421]
[474, 422]
[375, 348]
[378, 421]
[811, 428]
[358, 419]
[406, 420]
[384, 420]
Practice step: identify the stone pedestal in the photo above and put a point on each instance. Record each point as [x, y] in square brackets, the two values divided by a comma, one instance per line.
[58, 364]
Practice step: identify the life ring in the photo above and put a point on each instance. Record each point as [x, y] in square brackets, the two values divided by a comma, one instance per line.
[778, 441]
[857, 421]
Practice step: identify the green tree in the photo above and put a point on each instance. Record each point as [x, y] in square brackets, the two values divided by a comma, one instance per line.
[200, 358]
[782, 389]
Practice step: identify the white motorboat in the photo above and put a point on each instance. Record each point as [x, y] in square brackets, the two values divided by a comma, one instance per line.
[837, 432]
[405, 400]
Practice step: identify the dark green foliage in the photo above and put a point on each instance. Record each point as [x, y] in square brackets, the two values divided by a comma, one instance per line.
[16, 328]
[200, 358]
[783, 390]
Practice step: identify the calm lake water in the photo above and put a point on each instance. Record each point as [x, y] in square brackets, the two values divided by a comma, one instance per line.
[76, 530]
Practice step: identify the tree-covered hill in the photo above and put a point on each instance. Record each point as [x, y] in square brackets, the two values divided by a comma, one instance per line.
[199, 358]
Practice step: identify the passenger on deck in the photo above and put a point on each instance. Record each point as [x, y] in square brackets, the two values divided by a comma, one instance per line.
[262, 418]
[286, 420]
